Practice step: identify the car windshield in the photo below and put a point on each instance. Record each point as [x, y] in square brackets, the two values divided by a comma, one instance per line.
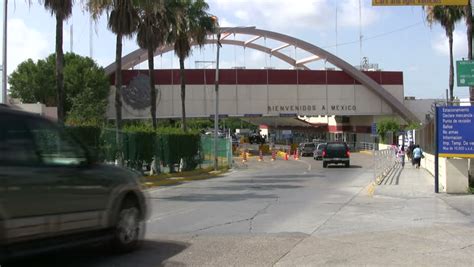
[336, 147]
[237, 133]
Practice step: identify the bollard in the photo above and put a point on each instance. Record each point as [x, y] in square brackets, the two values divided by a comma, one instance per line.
[273, 155]
[244, 156]
[286, 155]
[260, 156]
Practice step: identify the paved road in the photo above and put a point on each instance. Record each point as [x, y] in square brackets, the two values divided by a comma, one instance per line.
[287, 213]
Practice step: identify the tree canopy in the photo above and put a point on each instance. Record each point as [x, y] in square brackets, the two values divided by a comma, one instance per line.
[85, 84]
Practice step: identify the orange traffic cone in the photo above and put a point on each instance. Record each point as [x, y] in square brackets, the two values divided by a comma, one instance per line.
[273, 155]
[286, 155]
[244, 156]
[296, 155]
[260, 156]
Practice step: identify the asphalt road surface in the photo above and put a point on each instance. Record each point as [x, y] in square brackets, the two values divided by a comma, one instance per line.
[259, 214]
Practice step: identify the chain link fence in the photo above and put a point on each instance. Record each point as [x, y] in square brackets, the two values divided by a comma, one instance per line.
[224, 152]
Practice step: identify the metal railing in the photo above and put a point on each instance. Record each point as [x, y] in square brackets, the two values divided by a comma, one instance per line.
[367, 146]
[384, 161]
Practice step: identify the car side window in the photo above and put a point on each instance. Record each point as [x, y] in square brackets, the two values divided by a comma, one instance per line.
[16, 142]
[54, 146]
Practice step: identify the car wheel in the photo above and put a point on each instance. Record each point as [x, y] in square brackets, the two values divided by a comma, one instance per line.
[129, 228]
[325, 164]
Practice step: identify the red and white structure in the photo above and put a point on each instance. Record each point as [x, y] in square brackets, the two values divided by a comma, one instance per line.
[342, 100]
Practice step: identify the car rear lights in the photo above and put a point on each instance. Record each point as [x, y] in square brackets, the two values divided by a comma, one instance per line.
[348, 153]
[324, 153]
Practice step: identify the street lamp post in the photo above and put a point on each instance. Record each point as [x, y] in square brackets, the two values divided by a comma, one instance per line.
[4, 57]
[216, 108]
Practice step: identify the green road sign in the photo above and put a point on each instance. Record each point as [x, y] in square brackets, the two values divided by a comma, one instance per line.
[465, 72]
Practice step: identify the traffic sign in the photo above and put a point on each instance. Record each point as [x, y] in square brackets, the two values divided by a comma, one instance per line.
[465, 72]
[455, 131]
[419, 2]
[373, 129]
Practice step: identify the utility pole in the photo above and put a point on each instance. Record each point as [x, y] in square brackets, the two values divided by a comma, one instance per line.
[4, 59]
[91, 36]
[71, 32]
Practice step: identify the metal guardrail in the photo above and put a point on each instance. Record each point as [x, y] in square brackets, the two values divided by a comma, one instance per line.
[384, 161]
[366, 146]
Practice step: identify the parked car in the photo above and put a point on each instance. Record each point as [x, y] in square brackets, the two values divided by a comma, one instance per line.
[318, 153]
[307, 149]
[336, 153]
[256, 139]
[53, 194]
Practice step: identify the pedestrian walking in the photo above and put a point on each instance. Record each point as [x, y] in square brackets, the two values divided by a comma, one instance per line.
[401, 155]
[417, 155]
[410, 153]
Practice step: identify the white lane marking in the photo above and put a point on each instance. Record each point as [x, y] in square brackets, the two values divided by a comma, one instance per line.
[309, 165]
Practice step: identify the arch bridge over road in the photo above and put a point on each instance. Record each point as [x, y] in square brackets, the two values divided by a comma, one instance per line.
[266, 92]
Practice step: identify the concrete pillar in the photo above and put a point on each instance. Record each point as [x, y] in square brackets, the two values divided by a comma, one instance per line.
[457, 177]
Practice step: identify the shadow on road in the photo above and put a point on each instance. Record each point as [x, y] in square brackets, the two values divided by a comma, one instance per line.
[255, 186]
[152, 253]
[216, 197]
[343, 167]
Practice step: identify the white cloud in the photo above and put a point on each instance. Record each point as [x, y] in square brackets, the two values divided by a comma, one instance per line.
[226, 23]
[302, 14]
[25, 42]
[348, 14]
[441, 45]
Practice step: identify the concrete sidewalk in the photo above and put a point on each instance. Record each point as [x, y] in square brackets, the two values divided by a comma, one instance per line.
[402, 223]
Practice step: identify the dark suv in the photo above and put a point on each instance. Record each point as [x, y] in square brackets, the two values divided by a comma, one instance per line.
[336, 153]
[53, 194]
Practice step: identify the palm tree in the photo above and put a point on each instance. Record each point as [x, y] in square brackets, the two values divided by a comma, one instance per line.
[447, 16]
[191, 25]
[62, 10]
[152, 31]
[123, 21]
[468, 15]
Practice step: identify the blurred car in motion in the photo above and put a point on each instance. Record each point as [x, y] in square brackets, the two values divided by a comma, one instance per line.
[336, 153]
[256, 139]
[53, 194]
[307, 149]
[318, 153]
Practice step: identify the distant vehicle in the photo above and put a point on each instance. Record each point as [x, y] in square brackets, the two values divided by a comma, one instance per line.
[220, 134]
[235, 140]
[318, 153]
[336, 153]
[53, 194]
[256, 139]
[307, 149]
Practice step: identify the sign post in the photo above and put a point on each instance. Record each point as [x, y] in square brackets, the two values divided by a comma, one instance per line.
[419, 2]
[373, 130]
[454, 126]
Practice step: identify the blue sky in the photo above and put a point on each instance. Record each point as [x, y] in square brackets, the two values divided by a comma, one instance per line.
[396, 38]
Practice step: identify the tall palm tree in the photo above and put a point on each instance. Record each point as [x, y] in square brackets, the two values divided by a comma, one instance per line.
[191, 25]
[447, 16]
[468, 15]
[123, 21]
[152, 31]
[62, 10]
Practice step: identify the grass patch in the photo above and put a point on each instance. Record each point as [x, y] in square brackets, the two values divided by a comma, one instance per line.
[472, 190]
[168, 179]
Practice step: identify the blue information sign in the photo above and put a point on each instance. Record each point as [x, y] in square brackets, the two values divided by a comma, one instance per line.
[373, 129]
[455, 131]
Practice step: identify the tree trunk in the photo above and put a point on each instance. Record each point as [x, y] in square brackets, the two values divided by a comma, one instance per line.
[183, 94]
[59, 69]
[118, 96]
[451, 68]
[469, 41]
[151, 70]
